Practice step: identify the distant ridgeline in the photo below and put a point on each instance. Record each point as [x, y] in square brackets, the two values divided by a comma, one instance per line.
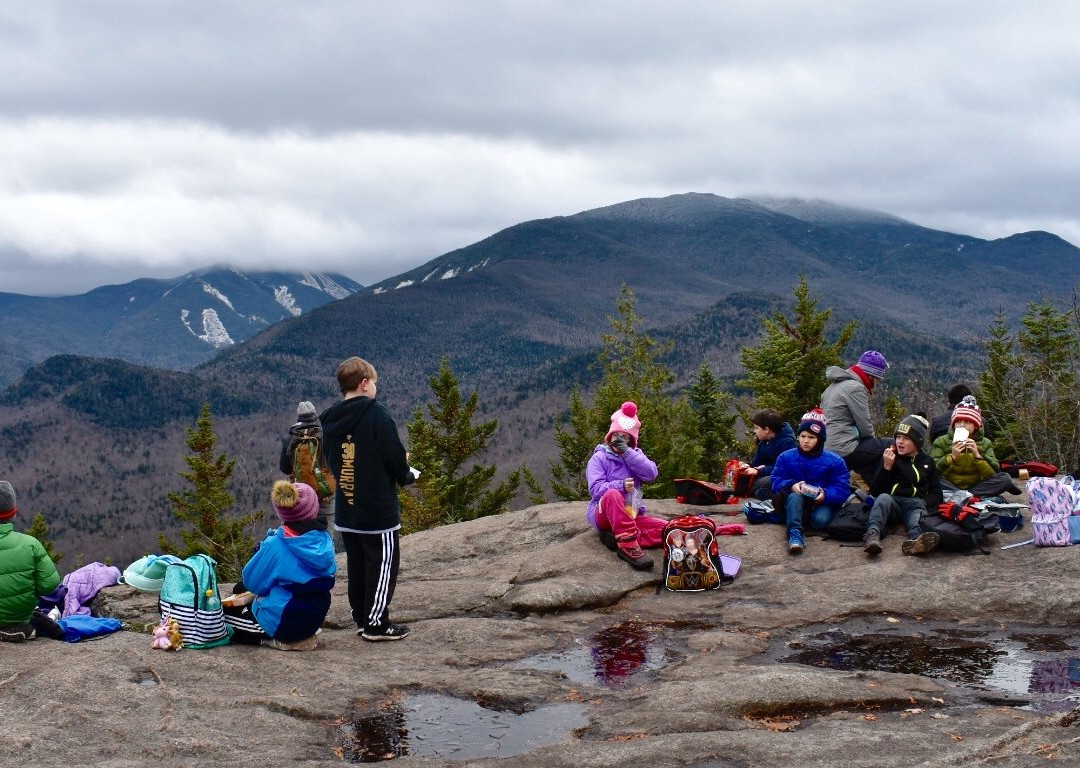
[174, 324]
[520, 315]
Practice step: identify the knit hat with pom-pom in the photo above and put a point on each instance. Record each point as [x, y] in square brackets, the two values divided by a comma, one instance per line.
[625, 420]
[968, 410]
[294, 502]
[813, 421]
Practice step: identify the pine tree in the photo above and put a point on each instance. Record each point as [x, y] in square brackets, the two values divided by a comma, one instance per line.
[715, 421]
[632, 369]
[39, 529]
[785, 370]
[205, 507]
[445, 444]
[1028, 388]
[998, 384]
[575, 441]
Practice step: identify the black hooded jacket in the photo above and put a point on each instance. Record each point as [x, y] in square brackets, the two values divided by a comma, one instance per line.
[369, 462]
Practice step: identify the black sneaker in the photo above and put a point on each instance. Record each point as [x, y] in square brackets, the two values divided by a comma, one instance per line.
[46, 627]
[389, 631]
[17, 633]
[607, 538]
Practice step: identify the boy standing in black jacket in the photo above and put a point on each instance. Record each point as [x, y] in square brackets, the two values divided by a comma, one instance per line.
[369, 462]
[906, 486]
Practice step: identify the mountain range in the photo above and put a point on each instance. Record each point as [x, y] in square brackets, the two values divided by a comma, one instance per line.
[174, 323]
[96, 443]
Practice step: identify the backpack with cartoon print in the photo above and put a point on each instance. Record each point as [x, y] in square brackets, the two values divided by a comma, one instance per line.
[691, 554]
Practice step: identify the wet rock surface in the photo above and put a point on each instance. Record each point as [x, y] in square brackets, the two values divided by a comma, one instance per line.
[532, 641]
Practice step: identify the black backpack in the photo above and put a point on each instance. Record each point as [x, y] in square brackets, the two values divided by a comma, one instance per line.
[960, 528]
[849, 522]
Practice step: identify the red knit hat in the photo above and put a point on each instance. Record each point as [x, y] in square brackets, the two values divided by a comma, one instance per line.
[625, 420]
[967, 410]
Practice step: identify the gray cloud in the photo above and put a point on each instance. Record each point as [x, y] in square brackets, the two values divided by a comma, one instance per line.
[156, 137]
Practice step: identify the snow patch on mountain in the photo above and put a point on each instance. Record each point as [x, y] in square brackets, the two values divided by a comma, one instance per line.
[219, 296]
[286, 299]
[404, 284]
[326, 284]
[213, 330]
[481, 265]
[449, 274]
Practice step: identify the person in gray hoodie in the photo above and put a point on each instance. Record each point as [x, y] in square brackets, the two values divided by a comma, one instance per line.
[846, 402]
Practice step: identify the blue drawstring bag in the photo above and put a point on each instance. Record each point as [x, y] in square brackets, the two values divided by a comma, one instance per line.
[79, 627]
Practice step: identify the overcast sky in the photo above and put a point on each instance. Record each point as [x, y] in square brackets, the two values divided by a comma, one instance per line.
[148, 138]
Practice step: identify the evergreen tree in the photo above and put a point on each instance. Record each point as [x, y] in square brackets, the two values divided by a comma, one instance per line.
[632, 369]
[575, 441]
[715, 421]
[786, 368]
[997, 382]
[445, 444]
[39, 529]
[1028, 388]
[206, 507]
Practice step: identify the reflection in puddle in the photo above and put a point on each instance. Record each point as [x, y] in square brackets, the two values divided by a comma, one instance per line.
[610, 657]
[966, 663]
[1038, 665]
[430, 725]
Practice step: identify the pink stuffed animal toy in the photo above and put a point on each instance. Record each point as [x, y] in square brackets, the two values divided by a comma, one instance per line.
[166, 635]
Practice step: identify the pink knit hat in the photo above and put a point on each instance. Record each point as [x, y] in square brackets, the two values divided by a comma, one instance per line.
[294, 502]
[625, 420]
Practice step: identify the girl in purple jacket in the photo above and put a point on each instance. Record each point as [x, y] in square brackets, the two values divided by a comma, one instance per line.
[616, 472]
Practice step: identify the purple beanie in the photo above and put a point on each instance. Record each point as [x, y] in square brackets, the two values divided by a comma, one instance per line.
[294, 502]
[873, 363]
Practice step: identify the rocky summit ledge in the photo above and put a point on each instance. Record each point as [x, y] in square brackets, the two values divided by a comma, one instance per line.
[527, 615]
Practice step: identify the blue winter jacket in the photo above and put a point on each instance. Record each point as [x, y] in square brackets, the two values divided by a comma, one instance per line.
[826, 470]
[768, 450]
[291, 577]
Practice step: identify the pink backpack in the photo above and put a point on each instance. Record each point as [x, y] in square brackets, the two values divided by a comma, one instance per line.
[1053, 502]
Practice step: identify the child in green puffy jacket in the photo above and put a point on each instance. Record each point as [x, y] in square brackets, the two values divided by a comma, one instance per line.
[965, 458]
[26, 573]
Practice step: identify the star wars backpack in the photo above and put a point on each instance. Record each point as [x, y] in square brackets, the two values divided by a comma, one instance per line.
[691, 554]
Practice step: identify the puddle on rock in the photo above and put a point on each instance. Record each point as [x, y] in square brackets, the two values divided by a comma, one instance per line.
[1033, 666]
[432, 725]
[611, 657]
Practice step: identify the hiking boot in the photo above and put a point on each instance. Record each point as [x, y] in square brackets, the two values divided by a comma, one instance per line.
[607, 538]
[389, 631]
[872, 543]
[636, 556]
[16, 633]
[795, 543]
[307, 644]
[925, 542]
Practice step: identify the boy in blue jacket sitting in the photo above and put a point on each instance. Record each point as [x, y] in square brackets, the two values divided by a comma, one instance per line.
[809, 479]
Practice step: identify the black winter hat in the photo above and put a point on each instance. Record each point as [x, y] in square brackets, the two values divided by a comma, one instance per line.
[915, 427]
